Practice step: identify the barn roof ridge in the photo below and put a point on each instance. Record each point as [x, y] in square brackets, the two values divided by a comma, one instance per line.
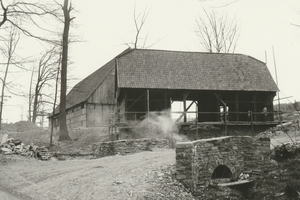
[85, 88]
[151, 68]
[129, 50]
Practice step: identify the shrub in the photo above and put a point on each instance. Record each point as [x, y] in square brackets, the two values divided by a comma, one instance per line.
[291, 188]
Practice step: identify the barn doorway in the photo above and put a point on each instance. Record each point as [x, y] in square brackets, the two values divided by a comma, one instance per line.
[177, 110]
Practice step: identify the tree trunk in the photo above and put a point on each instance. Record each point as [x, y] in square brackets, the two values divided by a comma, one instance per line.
[10, 52]
[2, 93]
[54, 105]
[30, 97]
[35, 104]
[63, 131]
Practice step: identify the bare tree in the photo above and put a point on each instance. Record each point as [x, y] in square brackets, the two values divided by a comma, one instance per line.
[63, 131]
[46, 73]
[30, 99]
[33, 13]
[217, 33]
[9, 54]
[54, 102]
[139, 21]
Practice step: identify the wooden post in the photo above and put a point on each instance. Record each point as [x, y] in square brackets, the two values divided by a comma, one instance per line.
[184, 107]
[196, 124]
[254, 108]
[196, 120]
[218, 108]
[125, 105]
[297, 128]
[252, 128]
[225, 119]
[148, 103]
[166, 100]
[237, 109]
[148, 109]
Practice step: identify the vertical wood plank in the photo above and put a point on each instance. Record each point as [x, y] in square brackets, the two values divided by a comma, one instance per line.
[125, 104]
[166, 106]
[148, 103]
[254, 107]
[184, 106]
[237, 108]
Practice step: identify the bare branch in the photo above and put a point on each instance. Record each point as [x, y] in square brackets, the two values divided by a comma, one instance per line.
[4, 13]
[217, 34]
[33, 13]
[295, 25]
[225, 5]
[46, 72]
[139, 21]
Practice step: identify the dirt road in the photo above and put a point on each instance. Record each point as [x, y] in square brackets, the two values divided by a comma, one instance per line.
[115, 177]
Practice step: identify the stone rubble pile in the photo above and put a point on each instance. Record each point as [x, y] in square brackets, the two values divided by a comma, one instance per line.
[285, 151]
[15, 146]
[165, 185]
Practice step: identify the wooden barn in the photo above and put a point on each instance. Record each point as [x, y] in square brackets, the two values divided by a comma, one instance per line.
[231, 89]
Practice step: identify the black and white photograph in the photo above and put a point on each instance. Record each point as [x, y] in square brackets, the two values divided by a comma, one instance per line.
[149, 99]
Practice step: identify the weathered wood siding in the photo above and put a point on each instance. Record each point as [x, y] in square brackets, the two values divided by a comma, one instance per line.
[76, 117]
[104, 94]
[121, 111]
[99, 115]
[98, 109]
[101, 104]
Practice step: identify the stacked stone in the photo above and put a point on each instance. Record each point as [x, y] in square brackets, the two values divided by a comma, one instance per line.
[124, 147]
[15, 146]
[212, 153]
[262, 152]
[184, 163]
[196, 161]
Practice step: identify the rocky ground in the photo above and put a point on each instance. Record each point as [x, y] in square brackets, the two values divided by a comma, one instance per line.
[146, 175]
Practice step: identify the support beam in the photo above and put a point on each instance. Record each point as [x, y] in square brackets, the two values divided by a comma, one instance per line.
[197, 109]
[218, 107]
[125, 104]
[184, 108]
[132, 104]
[184, 113]
[148, 103]
[166, 101]
[237, 108]
[255, 107]
[225, 119]
[185, 94]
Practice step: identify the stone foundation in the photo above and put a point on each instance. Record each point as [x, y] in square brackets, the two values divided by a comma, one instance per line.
[198, 162]
[124, 147]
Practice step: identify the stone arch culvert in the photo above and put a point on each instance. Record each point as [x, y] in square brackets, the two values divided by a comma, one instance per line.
[211, 161]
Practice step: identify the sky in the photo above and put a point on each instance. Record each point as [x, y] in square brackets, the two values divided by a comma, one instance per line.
[105, 28]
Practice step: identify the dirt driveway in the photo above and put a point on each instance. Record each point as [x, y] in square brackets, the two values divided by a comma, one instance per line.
[115, 177]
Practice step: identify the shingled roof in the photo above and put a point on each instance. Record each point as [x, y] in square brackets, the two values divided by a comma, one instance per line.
[159, 69]
[85, 88]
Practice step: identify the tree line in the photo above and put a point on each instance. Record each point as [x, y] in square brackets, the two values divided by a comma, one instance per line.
[38, 20]
[288, 107]
[31, 19]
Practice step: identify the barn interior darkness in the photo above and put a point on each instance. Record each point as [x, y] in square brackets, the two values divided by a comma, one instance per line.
[210, 105]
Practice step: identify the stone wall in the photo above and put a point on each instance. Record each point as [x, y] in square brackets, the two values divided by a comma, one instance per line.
[124, 147]
[197, 161]
[209, 131]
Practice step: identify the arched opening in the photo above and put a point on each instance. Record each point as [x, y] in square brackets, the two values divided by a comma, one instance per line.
[222, 171]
